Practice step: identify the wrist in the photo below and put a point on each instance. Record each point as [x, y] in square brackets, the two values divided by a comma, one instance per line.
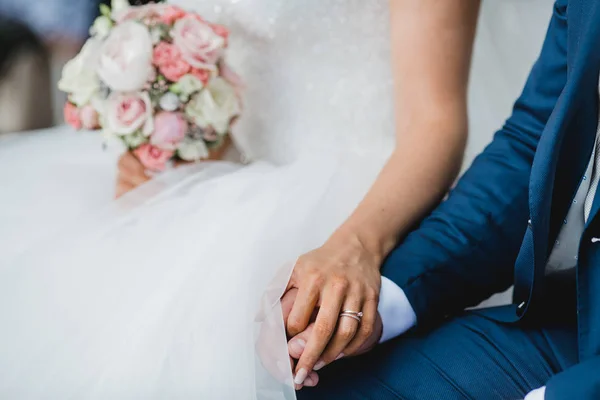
[363, 241]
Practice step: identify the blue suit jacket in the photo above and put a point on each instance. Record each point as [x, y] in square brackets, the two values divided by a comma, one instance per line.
[496, 225]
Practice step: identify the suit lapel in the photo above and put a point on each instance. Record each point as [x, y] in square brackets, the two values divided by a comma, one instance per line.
[595, 209]
[569, 134]
[574, 156]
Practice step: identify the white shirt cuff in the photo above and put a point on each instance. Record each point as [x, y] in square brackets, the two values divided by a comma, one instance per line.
[397, 315]
[537, 394]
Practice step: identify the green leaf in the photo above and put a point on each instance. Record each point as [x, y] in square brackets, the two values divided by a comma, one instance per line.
[134, 140]
[216, 144]
[175, 88]
[105, 10]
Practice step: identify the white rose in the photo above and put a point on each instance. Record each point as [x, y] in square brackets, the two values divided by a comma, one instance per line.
[79, 78]
[214, 106]
[200, 46]
[101, 27]
[126, 57]
[186, 86]
[192, 150]
[125, 113]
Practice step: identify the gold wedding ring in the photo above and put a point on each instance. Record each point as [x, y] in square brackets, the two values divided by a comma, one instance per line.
[357, 315]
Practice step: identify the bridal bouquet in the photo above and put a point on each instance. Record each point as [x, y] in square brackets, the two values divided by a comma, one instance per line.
[154, 76]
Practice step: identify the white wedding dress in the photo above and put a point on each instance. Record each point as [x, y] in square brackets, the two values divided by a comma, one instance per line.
[172, 292]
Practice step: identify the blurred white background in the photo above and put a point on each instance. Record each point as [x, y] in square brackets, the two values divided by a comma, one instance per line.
[524, 23]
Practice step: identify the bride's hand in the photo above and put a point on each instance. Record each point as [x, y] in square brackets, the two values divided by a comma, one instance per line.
[339, 276]
[297, 345]
[131, 174]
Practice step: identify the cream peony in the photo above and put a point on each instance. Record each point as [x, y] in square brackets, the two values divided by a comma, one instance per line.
[79, 78]
[126, 57]
[192, 150]
[214, 106]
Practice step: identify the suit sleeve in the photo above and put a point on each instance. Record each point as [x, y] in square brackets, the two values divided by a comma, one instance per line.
[579, 382]
[466, 249]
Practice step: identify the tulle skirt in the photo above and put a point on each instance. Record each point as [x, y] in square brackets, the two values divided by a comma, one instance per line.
[173, 291]
[47, 178]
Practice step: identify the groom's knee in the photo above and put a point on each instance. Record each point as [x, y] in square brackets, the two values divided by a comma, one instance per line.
[394, 371]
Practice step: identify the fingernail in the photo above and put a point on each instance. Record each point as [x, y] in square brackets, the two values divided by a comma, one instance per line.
[340, 356]
[309, 382]
[319, 365]
[301, 376]
[297, 346]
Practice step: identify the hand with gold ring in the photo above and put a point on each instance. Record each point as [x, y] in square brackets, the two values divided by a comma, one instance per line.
[297, 344]
[342, 275]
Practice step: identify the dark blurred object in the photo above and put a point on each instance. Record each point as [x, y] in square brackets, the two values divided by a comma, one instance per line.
[62, 26]
[55, 21]
[136, 2]
[15, 37]
[24, 79]
[142, 2]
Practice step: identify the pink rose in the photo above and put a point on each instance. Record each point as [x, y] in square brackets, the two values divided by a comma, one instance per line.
[89, 117]
[171, 14]
[152, 157]
[169, 130]
[163, 52]
[128, 112]
[174, 69]
[197, 17]
[167, 58]
[71, 113]
[221, 31]
[200, 46]
[202, 74]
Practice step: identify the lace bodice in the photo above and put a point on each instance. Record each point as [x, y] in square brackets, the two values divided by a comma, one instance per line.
[317, 73]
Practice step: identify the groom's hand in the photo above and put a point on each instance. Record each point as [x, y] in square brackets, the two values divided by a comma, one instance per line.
[287, 302]
[339, 276]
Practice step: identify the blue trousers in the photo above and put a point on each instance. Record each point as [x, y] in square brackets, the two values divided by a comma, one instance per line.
[469, 357]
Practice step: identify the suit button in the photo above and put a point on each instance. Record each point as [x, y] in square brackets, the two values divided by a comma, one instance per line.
[529, 223]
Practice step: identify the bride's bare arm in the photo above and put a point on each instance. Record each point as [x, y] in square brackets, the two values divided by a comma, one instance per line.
[432, 42]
